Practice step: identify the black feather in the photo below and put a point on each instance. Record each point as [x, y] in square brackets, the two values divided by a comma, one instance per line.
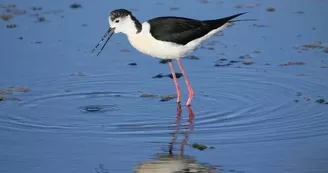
[183, 30]
[120, 13]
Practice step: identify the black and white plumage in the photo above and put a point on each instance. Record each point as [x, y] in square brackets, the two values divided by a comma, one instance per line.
[165, 37]
[116, 15]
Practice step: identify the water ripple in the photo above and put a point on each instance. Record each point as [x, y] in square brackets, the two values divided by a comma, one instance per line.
[247, 106]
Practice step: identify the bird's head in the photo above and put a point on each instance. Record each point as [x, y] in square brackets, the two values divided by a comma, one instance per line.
[120, 21]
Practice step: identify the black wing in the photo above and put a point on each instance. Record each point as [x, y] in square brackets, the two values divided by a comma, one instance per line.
[183, 30]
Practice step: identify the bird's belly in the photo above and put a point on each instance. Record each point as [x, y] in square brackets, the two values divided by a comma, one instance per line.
[158, 49]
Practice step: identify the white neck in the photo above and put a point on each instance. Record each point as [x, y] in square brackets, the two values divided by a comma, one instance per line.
[131, 26]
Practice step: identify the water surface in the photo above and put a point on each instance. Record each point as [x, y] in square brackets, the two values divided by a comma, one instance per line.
[84, 113]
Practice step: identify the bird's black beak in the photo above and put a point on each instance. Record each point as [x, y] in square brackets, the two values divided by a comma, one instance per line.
[110, 31]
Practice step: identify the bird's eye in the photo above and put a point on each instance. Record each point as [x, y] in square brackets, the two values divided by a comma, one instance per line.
[117, 21]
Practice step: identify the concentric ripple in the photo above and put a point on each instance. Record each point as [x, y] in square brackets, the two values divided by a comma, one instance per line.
[269, 111]
[246, 106]
[264, 110]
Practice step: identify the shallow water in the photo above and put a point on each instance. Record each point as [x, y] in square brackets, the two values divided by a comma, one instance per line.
[84, 113]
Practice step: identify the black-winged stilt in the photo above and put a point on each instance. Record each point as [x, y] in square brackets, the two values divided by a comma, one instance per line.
[165, 37]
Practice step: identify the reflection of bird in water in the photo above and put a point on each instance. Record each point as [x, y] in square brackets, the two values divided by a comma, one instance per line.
[176, 163]
[173, 164]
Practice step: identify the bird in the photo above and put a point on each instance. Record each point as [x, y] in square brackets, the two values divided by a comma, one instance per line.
[167, 38]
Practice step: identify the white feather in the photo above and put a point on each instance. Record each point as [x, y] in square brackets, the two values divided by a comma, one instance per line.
[147, 44]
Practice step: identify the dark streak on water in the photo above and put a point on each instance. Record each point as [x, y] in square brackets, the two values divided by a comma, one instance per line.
[97, 122]
[98, 108]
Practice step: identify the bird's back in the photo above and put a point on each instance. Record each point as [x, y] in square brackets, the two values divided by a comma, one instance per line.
[182, 30]
[173, 37]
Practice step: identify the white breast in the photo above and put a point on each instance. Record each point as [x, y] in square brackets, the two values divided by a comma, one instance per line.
[145, 43]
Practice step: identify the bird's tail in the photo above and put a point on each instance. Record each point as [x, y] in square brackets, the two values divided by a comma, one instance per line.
[236, 15]
[242, 20]
[224, 20]
[215, 23]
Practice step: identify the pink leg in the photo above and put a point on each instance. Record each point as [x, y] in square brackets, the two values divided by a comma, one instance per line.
[191, 91]
[175, 82]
